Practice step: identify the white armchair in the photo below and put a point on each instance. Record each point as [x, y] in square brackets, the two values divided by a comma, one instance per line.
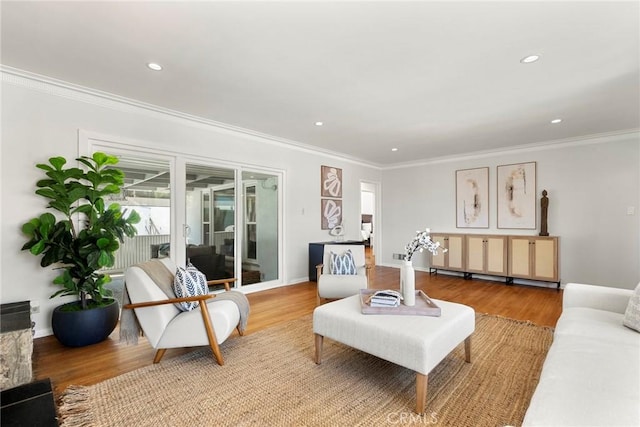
[165, 326]
[334, 286]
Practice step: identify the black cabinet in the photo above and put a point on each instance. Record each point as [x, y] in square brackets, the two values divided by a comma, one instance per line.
[30, 404]
[316, 251]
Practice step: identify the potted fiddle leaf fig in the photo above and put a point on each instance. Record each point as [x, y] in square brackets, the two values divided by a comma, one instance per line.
[80, 241]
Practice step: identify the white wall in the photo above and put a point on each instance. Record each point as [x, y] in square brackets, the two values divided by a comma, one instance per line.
[41, 120]
[591, 183]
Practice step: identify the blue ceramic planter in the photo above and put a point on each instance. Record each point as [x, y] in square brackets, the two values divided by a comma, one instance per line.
[84, 327]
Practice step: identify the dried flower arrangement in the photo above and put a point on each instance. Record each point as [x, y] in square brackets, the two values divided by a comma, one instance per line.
[420, 242]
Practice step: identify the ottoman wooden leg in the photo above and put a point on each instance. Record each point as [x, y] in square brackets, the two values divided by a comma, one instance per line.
[421, 392]
[318, 348]
[467, 349]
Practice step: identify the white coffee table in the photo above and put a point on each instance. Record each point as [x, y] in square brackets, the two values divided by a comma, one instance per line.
[418, 343]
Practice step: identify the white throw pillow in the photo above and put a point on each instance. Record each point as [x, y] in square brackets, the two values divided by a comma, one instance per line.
[632, 314]
[343, 264]
[189, 282]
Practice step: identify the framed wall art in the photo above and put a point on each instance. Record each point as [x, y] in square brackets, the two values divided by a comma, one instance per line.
[331, 213]
[331, 181]
[517, 196]
[472, 198]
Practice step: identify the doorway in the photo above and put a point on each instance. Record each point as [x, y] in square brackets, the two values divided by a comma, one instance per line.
[369, 216]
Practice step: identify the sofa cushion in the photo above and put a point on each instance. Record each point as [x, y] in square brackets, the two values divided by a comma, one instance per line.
[189, 282]
[342, 286]
[343, 264]
[587, 382]
[632, 314]
[594, 296]
[212, 265]
[194, 250]
[602, 325]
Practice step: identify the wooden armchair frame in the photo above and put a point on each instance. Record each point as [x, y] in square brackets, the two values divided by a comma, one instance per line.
[204, 310]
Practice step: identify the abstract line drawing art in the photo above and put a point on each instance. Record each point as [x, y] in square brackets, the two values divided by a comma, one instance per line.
[331, 213]
[472, 198]
[331, 179]
[517, 196]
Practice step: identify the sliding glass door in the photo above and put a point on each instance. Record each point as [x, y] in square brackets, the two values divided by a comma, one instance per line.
[147, 191]
[225, 220]
[260, 227]
[210, 231]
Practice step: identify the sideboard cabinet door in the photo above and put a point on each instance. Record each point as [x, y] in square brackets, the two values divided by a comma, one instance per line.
[487, 254]
[496, 254]
[545, 259]
[454, 258]
[533, 257]
[440, 260]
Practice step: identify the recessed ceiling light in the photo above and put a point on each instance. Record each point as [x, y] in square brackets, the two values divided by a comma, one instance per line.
[319, 123]
[394, 149]
[529, 59]
[554, 121]
[154, 66]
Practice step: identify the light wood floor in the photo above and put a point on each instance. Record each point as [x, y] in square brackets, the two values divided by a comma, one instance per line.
[92, 364]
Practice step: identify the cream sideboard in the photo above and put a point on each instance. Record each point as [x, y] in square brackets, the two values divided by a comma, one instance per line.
[523, 257]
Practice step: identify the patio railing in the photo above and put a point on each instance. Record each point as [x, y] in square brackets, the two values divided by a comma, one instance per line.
[135, 250]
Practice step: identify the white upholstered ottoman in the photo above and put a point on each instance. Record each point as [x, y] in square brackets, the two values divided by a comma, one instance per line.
[415, 342]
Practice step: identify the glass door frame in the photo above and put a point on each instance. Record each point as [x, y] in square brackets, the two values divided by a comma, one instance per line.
[90, 142]
[279, 176]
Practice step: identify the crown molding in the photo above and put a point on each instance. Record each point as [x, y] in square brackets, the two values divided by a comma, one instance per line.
[55, 87]
[524, 148]
[96, 97]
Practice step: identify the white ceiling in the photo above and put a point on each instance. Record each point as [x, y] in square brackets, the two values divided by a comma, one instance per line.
[433, 79]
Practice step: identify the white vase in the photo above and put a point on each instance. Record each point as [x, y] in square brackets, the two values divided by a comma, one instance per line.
[408, 283]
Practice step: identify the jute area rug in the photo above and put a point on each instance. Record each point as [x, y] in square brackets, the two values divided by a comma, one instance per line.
[269, 379]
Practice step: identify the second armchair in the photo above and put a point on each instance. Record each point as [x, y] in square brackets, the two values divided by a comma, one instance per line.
[338, 279]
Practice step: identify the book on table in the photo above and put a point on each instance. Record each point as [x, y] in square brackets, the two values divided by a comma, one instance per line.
[424, 306]
[385, 298]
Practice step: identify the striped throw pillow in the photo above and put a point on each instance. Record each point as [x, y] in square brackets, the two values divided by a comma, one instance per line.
[189, 282]
[343, 264]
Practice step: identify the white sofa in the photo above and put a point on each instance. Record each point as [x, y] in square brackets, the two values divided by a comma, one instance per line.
[591, 376]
